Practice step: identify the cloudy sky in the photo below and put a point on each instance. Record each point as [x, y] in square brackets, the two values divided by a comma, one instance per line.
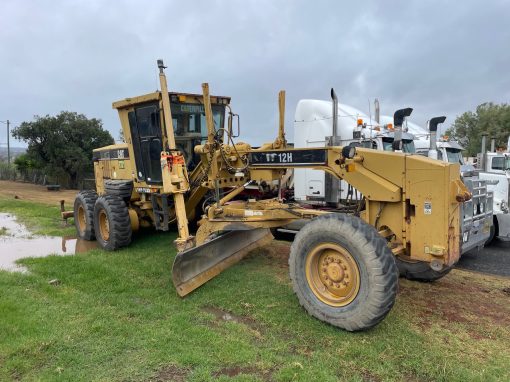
[436, 56]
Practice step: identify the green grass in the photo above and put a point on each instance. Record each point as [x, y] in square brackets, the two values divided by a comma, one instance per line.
[39, 218]
[116, 316]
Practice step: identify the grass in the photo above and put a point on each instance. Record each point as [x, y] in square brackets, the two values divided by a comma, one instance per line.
[116, 316]
[4, 231]
[41, 219]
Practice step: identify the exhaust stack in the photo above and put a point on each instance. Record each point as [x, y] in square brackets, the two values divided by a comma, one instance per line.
[433, 135]
[483, 151]
[332, 183]
[493, 145]
[377, 111]
[334, 102]
[398, 121]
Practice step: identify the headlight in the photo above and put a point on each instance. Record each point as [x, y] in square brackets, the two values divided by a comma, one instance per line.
[504, 207]
[482, 207]
[465, 237]
[474, 208]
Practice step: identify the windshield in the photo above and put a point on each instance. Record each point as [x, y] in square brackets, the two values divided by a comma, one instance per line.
[407, 145]
[189, 120]
[454, 156]
[501, 163]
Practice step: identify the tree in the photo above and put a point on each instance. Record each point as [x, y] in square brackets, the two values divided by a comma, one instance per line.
[489, 118]
[63, 144]
[23, 163]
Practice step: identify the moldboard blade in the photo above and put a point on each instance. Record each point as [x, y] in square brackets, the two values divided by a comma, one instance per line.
[198, 265]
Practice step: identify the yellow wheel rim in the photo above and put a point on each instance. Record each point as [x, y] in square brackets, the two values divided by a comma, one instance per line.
[104, 225]
[82, 219]
[332, 274]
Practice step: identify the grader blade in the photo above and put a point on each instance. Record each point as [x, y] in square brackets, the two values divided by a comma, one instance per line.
[196, 266]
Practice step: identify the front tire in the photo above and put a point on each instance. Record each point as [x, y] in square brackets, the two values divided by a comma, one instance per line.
[343, 272]
[492, 234]
[420, 271]
[111, 219]
[84, 214]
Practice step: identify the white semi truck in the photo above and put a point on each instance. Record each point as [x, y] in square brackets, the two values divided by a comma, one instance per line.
[315, 127]
[494, 168]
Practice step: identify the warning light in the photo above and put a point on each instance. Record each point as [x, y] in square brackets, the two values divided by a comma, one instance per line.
[360, 122]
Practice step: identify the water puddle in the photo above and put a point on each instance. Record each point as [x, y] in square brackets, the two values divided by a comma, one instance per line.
[16, 242]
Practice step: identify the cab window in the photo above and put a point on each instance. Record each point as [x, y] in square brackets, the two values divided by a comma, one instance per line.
[454, 156]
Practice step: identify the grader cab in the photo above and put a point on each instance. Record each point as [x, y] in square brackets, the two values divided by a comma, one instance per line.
[179, 156]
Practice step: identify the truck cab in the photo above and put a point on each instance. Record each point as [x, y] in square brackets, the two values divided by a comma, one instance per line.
[132, 170]
[313, 128]
[494, 168]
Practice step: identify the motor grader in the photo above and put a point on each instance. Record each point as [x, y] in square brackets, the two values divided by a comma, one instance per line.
[179, 164]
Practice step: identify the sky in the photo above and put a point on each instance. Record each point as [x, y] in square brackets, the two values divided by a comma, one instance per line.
[439, 57]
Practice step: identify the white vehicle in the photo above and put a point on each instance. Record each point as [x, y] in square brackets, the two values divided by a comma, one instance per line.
[494, 168]
[313, 127]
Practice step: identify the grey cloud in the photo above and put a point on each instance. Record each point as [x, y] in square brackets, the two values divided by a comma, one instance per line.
[439, 57]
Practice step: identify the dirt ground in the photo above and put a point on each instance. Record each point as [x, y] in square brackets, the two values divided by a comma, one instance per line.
[36, 193]
[462, 296]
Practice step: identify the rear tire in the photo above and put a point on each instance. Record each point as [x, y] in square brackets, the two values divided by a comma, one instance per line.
[84, 214]
[111, 219]
[343, 272]
[420, 271]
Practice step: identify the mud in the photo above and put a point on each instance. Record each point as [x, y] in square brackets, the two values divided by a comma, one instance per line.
[17, 242]
[460, 298]
[252, 371]
[255, 327]
[171, 373]
[36, 193]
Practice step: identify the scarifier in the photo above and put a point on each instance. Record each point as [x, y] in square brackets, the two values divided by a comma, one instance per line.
[179, 165]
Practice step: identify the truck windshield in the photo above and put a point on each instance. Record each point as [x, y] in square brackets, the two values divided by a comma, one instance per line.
[454, 156]
[501, 163]
[407, 145]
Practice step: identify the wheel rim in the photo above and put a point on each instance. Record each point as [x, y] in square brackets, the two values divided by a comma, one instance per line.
[332, 274]
[82, 219]
[104, 225]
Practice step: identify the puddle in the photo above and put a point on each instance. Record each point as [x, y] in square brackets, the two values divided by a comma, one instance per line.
[16, 242]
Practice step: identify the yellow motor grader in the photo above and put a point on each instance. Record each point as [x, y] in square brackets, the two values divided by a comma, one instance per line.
[179, 164]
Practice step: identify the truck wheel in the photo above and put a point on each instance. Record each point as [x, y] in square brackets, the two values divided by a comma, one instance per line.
[84, 214]
[343, 272]
[111, 219]
[420, 270]
[492, 235]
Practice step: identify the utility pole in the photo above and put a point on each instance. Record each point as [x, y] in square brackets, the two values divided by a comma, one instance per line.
[8, 145]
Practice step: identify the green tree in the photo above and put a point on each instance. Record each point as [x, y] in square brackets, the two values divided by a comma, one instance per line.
[488, 118]
[23, 163]
[63, 144]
